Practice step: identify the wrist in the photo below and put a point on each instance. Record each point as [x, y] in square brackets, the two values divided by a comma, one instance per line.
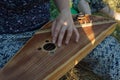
[65, 11]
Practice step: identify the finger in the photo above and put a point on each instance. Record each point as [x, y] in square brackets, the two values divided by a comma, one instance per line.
[69, 34]
[61, 35]
[53, 27]
[56, 32]
[77, 34]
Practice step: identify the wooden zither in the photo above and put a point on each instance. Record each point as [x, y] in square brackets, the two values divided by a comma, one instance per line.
[40, 59]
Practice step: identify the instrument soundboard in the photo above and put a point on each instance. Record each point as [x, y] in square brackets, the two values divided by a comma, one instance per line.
[40, 59]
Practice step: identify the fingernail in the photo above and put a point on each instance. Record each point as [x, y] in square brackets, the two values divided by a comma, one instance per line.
[53, 41]
[66, 42]
[77, 40]
[59, 45]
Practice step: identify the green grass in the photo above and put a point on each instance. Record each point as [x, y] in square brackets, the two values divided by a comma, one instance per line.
[116, 33]
[53, 10]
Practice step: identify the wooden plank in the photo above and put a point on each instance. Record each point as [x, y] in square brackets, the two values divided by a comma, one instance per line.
[38, 61]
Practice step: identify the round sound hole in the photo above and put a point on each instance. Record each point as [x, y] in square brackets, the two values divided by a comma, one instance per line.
[49, 47]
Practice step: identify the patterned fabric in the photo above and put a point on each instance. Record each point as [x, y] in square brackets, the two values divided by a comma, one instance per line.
[22, 15]
[10, 44]
[106, 55]
[95, 5]
[104, 60]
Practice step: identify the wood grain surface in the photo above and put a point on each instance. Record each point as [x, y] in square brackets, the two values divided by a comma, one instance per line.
[40, 59]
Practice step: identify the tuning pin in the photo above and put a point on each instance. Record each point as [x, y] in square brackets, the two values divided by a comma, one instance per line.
[81, 14]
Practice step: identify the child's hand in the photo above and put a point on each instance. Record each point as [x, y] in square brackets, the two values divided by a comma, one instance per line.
[62, 24]
[117, 16]
[112, 13]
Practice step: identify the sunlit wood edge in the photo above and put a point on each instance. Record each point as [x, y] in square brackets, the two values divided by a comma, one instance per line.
[59, 72]
[78, 26]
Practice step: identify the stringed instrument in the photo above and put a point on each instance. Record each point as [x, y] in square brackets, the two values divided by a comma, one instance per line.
[40, 59]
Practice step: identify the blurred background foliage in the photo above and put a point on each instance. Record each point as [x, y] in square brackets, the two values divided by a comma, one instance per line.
[53, 10]
[114, 4]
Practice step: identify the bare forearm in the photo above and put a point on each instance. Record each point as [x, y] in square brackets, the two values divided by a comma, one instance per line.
[62, 5]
